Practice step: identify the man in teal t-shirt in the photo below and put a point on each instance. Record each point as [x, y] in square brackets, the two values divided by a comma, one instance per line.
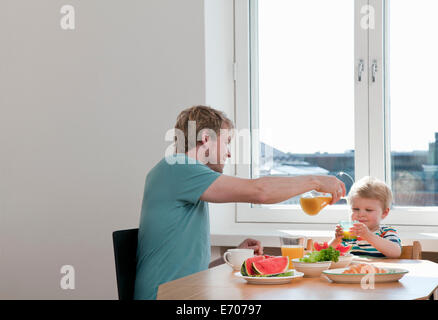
[174, 232]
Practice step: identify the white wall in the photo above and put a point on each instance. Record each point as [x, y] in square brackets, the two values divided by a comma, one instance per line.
[83, 115]
[219, 33]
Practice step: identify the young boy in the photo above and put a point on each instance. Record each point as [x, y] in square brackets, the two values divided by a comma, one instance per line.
[370, 200]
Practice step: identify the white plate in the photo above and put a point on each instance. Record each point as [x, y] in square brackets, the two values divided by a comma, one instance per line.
[336, 275]
[270, 280]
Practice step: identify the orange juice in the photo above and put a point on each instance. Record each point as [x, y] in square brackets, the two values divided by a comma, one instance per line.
[346, 225]
[312, 206]
[292, 251]
[348, 236]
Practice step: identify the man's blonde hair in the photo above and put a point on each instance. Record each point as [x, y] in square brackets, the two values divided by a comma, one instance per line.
[205, 118]
[371, 188]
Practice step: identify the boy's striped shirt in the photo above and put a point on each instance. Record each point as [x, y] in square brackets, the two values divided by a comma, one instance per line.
[362, 247]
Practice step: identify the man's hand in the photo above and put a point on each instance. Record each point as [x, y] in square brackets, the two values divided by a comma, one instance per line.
[331, 184]
[246, 244]
[252, 244]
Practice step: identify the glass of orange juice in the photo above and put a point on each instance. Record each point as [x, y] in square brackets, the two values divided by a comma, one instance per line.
[346, 225]
[292, 247]
[313, 202]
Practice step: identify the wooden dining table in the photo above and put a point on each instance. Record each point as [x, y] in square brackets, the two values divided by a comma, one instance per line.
[221, 283]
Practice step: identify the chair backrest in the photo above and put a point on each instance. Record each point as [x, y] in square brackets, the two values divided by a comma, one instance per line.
[309, 246]
[125, 252]
[411, 252]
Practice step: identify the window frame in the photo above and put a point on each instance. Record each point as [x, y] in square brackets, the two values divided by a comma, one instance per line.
[372, 144]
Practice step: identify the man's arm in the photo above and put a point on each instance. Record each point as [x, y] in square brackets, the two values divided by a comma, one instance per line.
[268, 190]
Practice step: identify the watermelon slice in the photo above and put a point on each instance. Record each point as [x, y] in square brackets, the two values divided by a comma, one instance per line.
[270, 266]
[320, 245]
[343, 249]
[246, 269]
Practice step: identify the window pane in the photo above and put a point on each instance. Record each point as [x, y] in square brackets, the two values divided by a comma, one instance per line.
[414, 102]
[306, 87]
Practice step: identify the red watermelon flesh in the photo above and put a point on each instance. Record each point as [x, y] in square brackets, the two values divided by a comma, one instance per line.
[319, 246]
[343, 249]
[270, 266]
[246, 269]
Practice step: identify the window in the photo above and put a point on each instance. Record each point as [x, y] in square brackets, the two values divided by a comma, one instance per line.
[306, 77]
[314, 85]
[414, 102]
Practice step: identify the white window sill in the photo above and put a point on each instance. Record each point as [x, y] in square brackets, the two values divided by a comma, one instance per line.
[269, 235]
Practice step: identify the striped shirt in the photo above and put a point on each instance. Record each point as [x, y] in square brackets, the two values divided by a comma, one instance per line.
[362, 247]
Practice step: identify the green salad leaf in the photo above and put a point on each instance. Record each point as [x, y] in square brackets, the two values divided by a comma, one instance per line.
[329, 254]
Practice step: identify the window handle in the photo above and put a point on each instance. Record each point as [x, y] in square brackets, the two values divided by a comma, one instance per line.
[360, 70]
[374, 70]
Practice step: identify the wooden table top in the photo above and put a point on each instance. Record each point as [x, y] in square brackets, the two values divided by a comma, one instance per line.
[220, 283]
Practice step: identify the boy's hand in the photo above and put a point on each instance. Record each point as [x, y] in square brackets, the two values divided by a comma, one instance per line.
[360, 230]
[339, 232]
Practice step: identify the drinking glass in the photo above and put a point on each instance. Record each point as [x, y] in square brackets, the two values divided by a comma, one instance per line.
[292, 247]
[346, 225]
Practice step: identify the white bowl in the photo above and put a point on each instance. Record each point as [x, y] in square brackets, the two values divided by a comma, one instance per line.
[311, 269]
[343, 262]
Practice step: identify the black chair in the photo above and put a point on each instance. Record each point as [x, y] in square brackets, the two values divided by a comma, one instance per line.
[125, 254]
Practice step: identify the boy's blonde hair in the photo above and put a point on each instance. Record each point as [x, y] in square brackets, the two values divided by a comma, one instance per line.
[371, 188]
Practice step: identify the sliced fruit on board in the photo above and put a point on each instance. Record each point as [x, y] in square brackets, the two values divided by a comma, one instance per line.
[270, 266]
[320, 245]
[246, 269]
[343, 249]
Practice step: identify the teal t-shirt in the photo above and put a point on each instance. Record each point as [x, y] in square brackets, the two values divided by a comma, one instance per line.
[174, 232]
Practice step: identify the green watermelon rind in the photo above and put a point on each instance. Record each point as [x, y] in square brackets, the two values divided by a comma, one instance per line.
[243, 268]
[284, 274]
